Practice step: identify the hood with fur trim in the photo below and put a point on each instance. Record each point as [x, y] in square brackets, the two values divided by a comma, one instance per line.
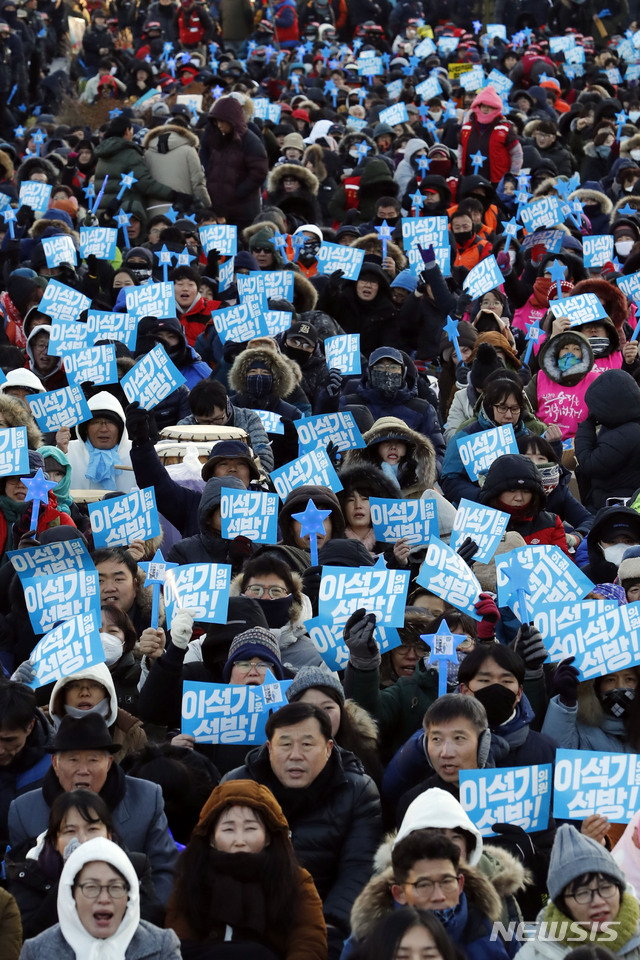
[14, 414]
[628, 198]
[100, 673]
[305, 295]
[352, 140]
[281, 369]
[373, 244]
[629, 144]
[308, 180]
[44, 223]
[586, 195]
[548, 358]
[611, 297]
[419, 448]
[168, 137]
[6, 165]
[31, 164]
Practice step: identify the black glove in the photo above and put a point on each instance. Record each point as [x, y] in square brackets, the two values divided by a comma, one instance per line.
[25, 216]
[138, 423]
[517, 841]
[364, 652]
[565, 682]
[112, 207]
[182, 199]
[462, 374]
[529, 645]
[467, 550]
[240, 550]
[334, 282]
[407, 472]
[334, 383]
[92, 264]
[334, 453]
[213, 263]
[311, 586]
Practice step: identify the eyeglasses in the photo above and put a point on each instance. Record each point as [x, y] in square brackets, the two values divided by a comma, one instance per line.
[91, 890]
[246, 665]
[258, 590]
[504, 408]
[101, 422]
[297, 342]
[389, 367]
[446, 884]
[91, 685]
[586, 894]
[263, 249]
[210, 421]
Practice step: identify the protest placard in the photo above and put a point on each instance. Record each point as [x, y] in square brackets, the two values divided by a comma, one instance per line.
[603, 643]
[67, 337]
[277, 321]
[151, 300]
[59, 249]
[237, 323]
[51, 558]
[338, 428]
[272, 284]
[14, 452]
[272, 422]
[122, 327]
[597, 250]
[392, 520]
[397, 113]
[553, 619]
[35, 195]
[266, 110]
[203, 587]
[222, 237]
[312, 468]
[70, 647]
[230, 713]
[100, 242]
[378, 589]
[327, 636]
[153, 378]
[338, 256]
[551, 240]
[588, 782]
[121, 520]
[479, 450]
[483, 524]
[445, 574]
[427, 232]
[60, 596]
[428, 89]
[630, 286]
[553, 577]
[59, 408]
[249, 513]
[472, 80]
[583, 308]
[482, 278]
[95, 364]
[343, 353]
[61, 302]
[545, 212]
[516, 795]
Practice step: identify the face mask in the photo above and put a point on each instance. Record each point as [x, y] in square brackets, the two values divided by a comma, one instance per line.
[353, 153]
[463, 237]
[633, 116]
[628, 187]
[603, 150]
[295, 353]
[435, 115]
[387, 383]
[615, 553]
[112, 647]
[635, 154]
[311, 247]
[499, 702]
[276, 611]
[440, 168]
[567, 361]
[512, 256]
[259, 384]
[550, 475]
[617, 703]
[391, 221]
[599, 345]
[140, 274]
[623, 247]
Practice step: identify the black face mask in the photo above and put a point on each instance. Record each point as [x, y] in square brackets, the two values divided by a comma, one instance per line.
[617, 702]
[392, 221]
[463, 237]
[499, 702]
[276, 611]
[295, 353]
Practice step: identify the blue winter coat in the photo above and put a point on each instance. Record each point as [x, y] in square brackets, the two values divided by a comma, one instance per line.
[561, 722]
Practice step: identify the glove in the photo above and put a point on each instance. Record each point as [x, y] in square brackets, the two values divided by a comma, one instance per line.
[24, 674]
[428, 257]
[516, 841]
[504, 263]
[181, 199]
[334, 383]
[490, 614]
[462, 374]
[334, 453]
[138, 424]
[240, 550]
[364, 652]
[25, 216]
[213, 263]
[112, 207]
[182, 627]
[565, 683]
[407, 472]
[334, 281]
[528, 645]
[467, 550]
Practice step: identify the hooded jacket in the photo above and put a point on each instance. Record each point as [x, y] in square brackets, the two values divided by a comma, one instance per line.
[171, 154]
[205, 546]
[585, 726]
[495, 139]
[14, 414]
[301, 203]
[62, 490]
[420, 449]
[78, 454]
[25, 771]
[117, 156]
[405, 171]
[57, 378]
[284, 381]
[559, 396]
[600, 570]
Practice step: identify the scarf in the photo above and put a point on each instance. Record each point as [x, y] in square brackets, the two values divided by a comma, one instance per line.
[12, 510]
[102, 466]
[517, 514]
[621, 932]
[14, 322]
[237, 883]
[369, 539]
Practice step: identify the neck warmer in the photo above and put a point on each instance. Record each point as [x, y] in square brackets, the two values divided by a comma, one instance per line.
[12, 510]
[616, 936]
[483, 119]
[237, 882]
[369, 538]
[296, 801]
[103, 709]
[276, 611]
[567, 361]
[540, 295]
[517, 514]
[102, 466]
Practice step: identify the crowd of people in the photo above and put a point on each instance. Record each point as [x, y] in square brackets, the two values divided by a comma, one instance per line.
[512, 141]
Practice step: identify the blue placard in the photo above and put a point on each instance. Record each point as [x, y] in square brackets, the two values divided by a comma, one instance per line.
[337, 256]
[70, 647]
[59, 250]
[35, 195]
[327, 636]
[272, 422]
[51, 558]
[378, 589]
[587, 782]
[560, 44]
[394, 89]
[267, 111]
[447, 45]
[550, 239]
[151, 300]
[427, 231]
[574, 55]
[356, 123]
[343, 353]
[425, 48]
[14, 452]
[278, 321]
[95, 364]
[583, 308]
[630, 286]
[483, 524]
[203, 587]
[553, 577]
[153, 378]
[473, 79]
[560, 624]
[249, 513]
[516, 795]
[313, 468]
[59, 408]
[445, 574]
[222, 237]
[479, 450]
[67, 337]
[60, 596]
[369, 66]
[397, 113]
[338, 428]
[417, 520]
[230, 713]
[499, 82]
[496, 30]
[429, 89]
[545, 212]
[100, 242]
[272, 284]
[482, 278]
[122, 327]
[238, 324]
[61, 302]
[613, 75]
[226, 273]
[119, 521]
[601, 644]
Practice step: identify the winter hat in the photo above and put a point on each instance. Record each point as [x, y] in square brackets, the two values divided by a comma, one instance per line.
[244, 260]
[305, 330]
[383, 130]
[629, 569]
[308, 677]
[486, 361]
[293, 141]
[572, 855]
[488, 98]
[386, 353]
[36, 462]
[406, 281]
[230, 450]
[467, 336]
[309, 228]
[372, 266]
[511, 471]
[436, 809]
[67, 205]
[263, 238]
[344, 553]
[256, 642]
[138, 253]
[22, 378]
[347, 230]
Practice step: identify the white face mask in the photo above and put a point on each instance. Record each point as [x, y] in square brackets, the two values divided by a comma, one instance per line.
[435, 115]
[512, 256]
[615, 553]
[623, 247]
[112, 647]
[628, 187]
[353, 153]
[635, 154]
[633, 116]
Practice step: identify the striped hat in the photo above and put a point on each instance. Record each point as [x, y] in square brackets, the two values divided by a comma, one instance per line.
[256, 642]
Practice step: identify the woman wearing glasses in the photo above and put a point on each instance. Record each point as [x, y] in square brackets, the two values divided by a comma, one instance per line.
[502, 403]
[589, 901]
[99, 912]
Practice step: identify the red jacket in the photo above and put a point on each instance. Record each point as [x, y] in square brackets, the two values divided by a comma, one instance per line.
[546, 528]
[196, 318]
[499, 156]
[49, 517]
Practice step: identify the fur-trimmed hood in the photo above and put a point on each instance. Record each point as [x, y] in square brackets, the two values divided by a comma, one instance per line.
[586, 195]
[299, 608]
[14, 415]
[547, 188]
[284, 378]
[629, 144]
[353, 139]
[6, 163]
[314, 154]
[419, 448]
[611, 297]
[629, 198]
[305, 295]
[308, 180]
[373, 241]
[363, 722]
[31, 164]
[548, 358]
[367, 477]
[178, 137]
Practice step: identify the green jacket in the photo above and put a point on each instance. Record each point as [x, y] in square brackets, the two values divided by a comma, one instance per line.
[117, 156]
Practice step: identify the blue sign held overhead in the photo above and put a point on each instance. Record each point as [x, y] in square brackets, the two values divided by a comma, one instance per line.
[588, 782]
[230, 713]
[59, 408]
[378, 589]
[151, 300]
[61, 302]
[339, 428]
[516, 795]
[583, 308]
[337, 256]
[482, 278]
[14, 452]
[58, 250]
[203, 587]
[121, 520]
[70, 647]
[553, 577]
[312, 468]
[272, 422]
[484, 525]
[50, 558]
[60, 597]
[415, 520]
[479, 450]
[95, 364]
[343, 353]
[35, 195]
[113, 326]
[222, 237]
[249, 513]
[327, 636]
[152, 379]
[446, 574]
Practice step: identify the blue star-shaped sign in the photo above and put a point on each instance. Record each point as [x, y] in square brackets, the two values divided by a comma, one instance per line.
[167, 48]
[185, 258]
[557, 272]
[451, 330]
[357, 43]
[417, 200]
[423, 110]
[363, 149]
[38, 488]
[311, 522]
[156, 572]
[361, 92]
[449, 110]
[172, 214]
[518, 578]
[628, 210]
[430, 125]
[171, 63]
[114, 113]
[423, 164]
[280, 241]
[127, 180]
[217, 91]
[534, 334]
[89, 191]
[384, 232]
[300, 51]
[295, 81]
[511, 230]
[297, 242]
[408, 70]
[477, 161]
[9, 216]
[38, 138]
[524, 181]
[621, 119]
[442, 648]
[19, 132]
[164, 255]
[477, 26]
[123, 219]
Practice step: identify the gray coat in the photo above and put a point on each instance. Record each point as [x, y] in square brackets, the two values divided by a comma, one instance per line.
[139, 819]
[250, 422]
[148, 942]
